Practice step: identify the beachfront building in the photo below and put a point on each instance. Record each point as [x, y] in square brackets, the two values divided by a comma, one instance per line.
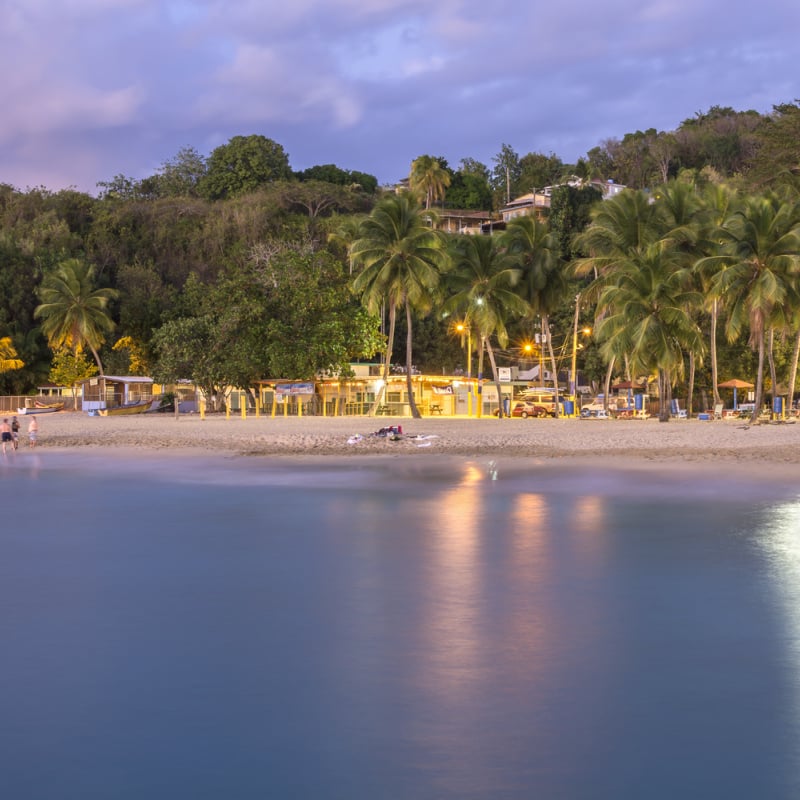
[435, 395]
[113, 391]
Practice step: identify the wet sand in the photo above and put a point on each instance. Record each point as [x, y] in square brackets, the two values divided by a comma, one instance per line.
[757, 449]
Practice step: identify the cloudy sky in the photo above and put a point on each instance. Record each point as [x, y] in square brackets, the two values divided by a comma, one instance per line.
[96, 88]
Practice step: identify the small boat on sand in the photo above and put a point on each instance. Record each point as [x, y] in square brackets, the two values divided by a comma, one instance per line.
[57, 406]
[129, 408]
[41, 408]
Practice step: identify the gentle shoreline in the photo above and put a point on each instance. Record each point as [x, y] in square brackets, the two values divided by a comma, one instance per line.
[758, 451]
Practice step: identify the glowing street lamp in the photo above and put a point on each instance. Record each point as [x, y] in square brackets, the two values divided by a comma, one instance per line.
[463, 328]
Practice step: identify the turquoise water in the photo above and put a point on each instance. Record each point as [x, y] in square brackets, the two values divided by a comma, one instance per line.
[394, 629]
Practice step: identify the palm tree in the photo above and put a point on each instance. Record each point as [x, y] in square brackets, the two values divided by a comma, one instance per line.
[682, 228]
[543, 283]
[428, 179]
[72, 310]
[401, 260]
[649, 312]
[482, 283]
[620, 226]
[760, 265]
[717, 204]
[347, 231]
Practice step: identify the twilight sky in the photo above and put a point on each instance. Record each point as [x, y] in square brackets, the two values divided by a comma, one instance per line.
[96, 88]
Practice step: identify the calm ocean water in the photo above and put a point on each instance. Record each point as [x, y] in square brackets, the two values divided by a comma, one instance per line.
[414, 629]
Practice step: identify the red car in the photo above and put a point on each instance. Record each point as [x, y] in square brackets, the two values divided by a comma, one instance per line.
[526, 410]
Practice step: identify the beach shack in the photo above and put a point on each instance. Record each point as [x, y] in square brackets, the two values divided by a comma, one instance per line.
[114, 391]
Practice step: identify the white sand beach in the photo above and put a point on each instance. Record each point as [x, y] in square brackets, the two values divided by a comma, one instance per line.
[614, 442]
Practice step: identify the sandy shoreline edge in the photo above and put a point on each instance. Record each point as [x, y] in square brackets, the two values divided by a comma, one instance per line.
[717, 451]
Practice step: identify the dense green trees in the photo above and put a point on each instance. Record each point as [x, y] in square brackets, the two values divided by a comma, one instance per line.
[182, 257]
[760, 277]
[242, 165]
[330, 173]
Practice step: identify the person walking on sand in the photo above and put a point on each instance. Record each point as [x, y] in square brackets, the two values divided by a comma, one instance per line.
[33, 432]
[5, 435]
[15, 431]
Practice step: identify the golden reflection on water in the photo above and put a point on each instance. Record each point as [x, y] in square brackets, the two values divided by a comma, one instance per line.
[451, 652]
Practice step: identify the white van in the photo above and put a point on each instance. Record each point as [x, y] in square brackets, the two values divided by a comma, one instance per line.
[545, 398]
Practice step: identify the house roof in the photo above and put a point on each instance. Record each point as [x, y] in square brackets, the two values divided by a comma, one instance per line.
[119, 379]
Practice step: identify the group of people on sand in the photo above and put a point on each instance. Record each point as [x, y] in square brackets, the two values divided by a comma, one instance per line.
[9, 433]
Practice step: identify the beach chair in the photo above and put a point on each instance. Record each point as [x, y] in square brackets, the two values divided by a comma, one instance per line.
[677, 411]
[718, 411]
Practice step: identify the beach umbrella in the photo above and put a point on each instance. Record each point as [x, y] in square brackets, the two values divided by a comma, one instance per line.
[735, 384]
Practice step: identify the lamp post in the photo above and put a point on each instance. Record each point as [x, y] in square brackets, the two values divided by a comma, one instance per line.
[572, 375]
[464, 328]
[573, 382]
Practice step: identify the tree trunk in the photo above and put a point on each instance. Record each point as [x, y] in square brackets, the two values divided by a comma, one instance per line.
[607, 384]
[386, 362]
[663, 395]
[771, 360]
[546, 324]
[759, 376]
[714, 373]
[690, 390]
[97, 360]
[793, 370]
[412, 403]
[496, 379]
[479, 401]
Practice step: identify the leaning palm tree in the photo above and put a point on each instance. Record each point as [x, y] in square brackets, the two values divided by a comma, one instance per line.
[401, 260]
[543, 283]
[73, 312]
[482, 283]
[760, 268]
[428, 179]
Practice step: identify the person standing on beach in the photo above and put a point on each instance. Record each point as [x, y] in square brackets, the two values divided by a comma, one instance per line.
[33, 432]
[15, 431]
[5, 434]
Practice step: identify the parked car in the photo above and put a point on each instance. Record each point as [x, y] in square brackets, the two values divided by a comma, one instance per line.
[544, 398]
[525, 410]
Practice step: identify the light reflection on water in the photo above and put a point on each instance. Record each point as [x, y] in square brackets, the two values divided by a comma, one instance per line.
[412, 633]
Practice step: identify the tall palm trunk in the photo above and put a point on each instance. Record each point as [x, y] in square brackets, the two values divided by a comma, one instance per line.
[546, 324]
[771, 361]
[793, 369]
[690, 389]
[664, 394]
[412, 403]
[496, 378]
[713, 343]
[759, 376]
[386, 361]
[607, 384]
[97, 360]
[479, 401]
